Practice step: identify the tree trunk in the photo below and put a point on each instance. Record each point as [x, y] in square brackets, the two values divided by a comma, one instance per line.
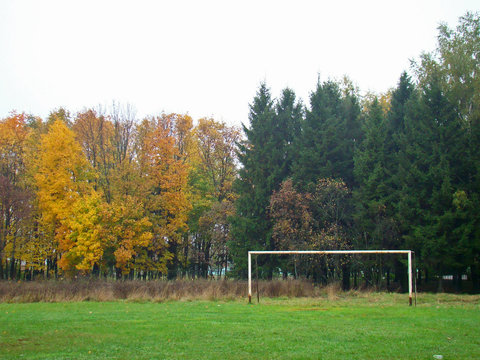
[474, 276]
[295, 266]
[55, 266]
[345, 277]
[388, 278]
[440, 284]
[419, 280]
[269, 268]
[400, 275]
[457, 278]
[118, 273]
[368, 277]
[19, 270]
[12, 261]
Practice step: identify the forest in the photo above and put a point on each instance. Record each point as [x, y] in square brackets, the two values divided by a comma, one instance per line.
[101, 193]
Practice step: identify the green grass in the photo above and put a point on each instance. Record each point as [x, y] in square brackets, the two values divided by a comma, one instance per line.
[375, 326]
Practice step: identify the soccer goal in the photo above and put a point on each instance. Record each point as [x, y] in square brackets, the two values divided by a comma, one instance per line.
[334, 252]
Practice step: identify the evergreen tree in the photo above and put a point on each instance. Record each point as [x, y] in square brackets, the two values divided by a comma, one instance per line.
[398, 108]
[373, 215]
[370, 173]
[289, 115]
[266, 155]
[458, 62]
[400, 101]
[431, 167]
[329, 133]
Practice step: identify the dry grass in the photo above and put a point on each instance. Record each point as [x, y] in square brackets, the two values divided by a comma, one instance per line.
[332, 291]
[200, 289]
[101, 290]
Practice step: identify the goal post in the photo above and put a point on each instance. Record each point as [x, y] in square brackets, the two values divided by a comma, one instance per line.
[335, 252]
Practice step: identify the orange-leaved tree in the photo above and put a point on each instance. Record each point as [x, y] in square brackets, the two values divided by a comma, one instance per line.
[164, 182]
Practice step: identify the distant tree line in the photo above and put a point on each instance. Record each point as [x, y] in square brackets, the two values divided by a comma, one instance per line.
[101, 193]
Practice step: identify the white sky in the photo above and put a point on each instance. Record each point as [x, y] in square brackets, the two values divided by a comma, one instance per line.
[204, 57]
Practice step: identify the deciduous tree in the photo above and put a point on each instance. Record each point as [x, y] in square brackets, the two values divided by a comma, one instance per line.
[62, 179]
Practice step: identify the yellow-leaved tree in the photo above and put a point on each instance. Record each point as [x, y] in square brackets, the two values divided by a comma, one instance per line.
[127, 233]
[82, 243]
[63, 193]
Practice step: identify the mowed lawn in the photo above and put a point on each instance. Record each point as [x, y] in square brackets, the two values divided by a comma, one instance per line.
[378, 326]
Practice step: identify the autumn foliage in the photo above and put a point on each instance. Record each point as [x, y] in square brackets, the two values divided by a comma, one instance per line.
[106, 194]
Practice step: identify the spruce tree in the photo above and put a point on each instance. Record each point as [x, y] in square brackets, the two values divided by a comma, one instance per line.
[329, 133]
[266, 156]
[431, 168]
[370, 173]
[400, 101]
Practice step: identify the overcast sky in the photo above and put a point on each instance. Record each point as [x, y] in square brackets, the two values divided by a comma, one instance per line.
[203, 57]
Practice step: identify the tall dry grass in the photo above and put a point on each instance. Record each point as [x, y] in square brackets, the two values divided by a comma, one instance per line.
[201, 289]
[101, 290]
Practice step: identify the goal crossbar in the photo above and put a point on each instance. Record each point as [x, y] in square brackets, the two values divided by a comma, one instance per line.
[284, 252]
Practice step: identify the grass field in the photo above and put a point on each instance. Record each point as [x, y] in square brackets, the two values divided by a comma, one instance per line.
[371, 326]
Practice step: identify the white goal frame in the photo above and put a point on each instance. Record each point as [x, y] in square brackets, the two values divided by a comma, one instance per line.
[284, 252]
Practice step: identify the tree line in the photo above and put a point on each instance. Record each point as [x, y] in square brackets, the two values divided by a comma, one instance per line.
[396, 171]
[102, 193]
